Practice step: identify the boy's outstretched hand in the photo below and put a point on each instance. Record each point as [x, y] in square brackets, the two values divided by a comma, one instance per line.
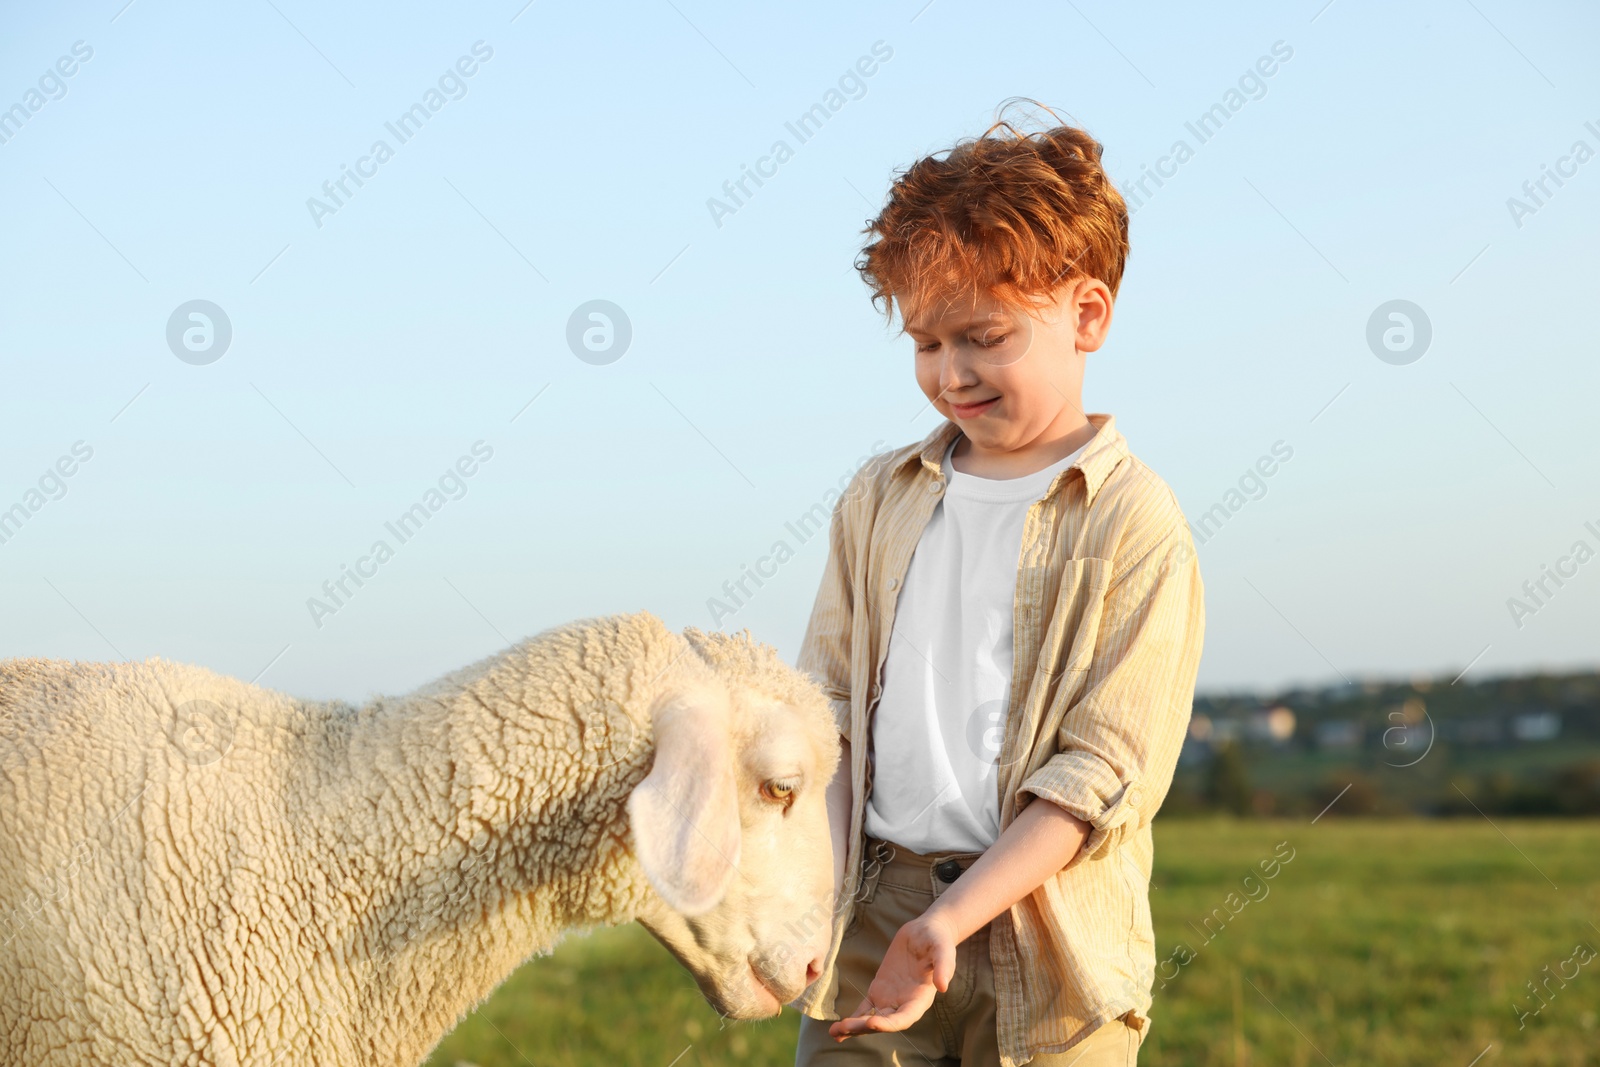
[921, 959]
[919, 963]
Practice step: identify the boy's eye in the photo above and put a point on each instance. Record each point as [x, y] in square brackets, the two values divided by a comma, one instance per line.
[978, 342]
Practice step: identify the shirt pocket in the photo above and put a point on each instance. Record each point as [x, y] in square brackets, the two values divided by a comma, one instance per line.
[1076, 596]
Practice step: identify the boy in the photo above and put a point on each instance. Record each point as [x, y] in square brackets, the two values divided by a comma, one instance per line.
[1009, 627]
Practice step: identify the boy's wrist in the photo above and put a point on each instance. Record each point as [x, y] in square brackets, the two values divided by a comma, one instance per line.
[951, 916]
[938, 916]
[1039, 842]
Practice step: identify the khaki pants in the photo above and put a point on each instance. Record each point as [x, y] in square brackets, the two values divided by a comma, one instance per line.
[959, 1027]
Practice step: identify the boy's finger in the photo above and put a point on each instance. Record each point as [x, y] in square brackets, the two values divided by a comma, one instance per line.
[852, 1027]
[898, 1020]
[867, 1021]
[851, 1024]
[848, 1028]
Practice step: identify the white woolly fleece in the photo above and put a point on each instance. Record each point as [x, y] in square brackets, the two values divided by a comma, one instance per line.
[195, 870]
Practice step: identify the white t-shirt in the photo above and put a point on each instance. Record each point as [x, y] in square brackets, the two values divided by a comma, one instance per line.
[937, 729]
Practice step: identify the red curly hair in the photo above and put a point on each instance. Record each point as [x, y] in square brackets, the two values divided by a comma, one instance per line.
[1011, 216]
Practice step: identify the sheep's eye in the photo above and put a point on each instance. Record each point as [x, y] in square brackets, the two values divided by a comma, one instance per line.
[779, 790]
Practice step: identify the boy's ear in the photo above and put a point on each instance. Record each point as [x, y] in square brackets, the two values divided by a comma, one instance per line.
[1091, 309]
[685, 813]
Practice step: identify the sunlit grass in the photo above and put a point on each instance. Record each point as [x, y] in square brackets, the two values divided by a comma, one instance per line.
[1380, 942]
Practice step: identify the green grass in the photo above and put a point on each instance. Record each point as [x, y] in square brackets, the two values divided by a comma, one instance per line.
[1393, 942]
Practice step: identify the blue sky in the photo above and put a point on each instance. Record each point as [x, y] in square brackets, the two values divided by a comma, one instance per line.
[373, 346]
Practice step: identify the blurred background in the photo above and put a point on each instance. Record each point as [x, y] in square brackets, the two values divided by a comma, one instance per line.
[556, 305]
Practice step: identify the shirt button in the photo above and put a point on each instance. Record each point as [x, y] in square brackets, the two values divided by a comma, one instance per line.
[894, 583]
[935, 485]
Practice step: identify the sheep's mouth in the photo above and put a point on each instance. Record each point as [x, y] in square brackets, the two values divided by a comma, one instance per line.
[765, 993]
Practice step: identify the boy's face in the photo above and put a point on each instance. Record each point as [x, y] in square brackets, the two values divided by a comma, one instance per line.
[1011, 381]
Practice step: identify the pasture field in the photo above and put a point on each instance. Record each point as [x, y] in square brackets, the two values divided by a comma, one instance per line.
[1380, 942]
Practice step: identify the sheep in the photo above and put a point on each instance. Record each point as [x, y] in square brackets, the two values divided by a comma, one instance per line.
[196, 870]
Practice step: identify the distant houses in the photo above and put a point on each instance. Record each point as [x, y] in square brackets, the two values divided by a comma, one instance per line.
[1512, 744]
[1338, 734]
[1525, 726]
[1274, 725]
[1536, 726]
[1400, 727]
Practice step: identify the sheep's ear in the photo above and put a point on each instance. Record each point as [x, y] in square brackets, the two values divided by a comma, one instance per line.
[685, 813]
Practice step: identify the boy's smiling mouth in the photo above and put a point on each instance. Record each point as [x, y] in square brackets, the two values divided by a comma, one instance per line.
[968, 411]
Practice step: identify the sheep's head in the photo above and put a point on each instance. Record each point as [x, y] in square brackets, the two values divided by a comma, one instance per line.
[731, 824]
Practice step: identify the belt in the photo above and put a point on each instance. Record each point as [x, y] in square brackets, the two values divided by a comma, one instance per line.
[886, 855]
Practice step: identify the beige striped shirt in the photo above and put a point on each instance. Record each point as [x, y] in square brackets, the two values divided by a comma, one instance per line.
[1108, 625]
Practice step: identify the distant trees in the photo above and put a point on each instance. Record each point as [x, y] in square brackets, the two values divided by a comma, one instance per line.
[1227, 783]
[1510, 745]
[1570, 790]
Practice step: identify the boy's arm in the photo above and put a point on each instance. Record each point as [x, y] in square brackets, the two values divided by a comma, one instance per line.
[1040, 841]
[1135, 708]
[1118, 747]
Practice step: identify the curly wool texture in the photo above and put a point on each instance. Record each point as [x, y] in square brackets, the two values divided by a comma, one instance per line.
[196, 870]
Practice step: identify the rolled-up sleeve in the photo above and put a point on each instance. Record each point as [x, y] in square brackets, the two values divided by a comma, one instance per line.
[825, 649]
[1118, 745]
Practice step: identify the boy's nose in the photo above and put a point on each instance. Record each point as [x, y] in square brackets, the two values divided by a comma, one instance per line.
[813, 970]
[957, 374]
[952, 383]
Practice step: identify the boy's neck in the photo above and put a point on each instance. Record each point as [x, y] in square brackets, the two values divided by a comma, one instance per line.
[1052, 446]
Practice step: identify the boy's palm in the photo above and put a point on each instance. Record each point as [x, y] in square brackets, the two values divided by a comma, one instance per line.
[919, 963]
